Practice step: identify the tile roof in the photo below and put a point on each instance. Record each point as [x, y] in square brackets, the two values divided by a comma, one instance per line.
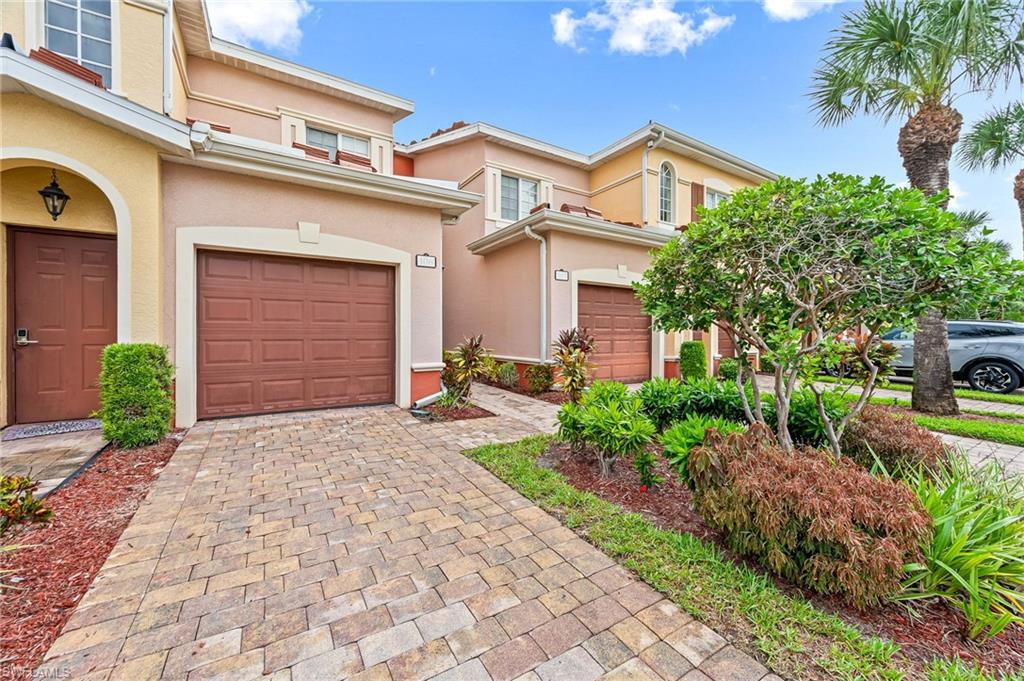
[341, 158]
[219, 127]
[62, 63]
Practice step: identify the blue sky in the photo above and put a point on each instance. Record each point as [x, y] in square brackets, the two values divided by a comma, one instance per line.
[581, 75]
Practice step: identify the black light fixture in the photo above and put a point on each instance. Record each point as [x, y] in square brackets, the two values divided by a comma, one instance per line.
[54, 197]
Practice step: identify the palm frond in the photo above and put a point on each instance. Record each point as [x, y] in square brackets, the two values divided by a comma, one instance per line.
[994, 141]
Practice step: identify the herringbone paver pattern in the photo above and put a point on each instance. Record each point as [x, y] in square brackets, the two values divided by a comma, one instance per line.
[360, 544]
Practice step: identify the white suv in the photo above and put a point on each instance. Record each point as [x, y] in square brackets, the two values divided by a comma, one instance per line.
[988, 355]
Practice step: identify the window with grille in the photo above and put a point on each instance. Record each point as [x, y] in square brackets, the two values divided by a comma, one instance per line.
[518, 197]
[81, 31]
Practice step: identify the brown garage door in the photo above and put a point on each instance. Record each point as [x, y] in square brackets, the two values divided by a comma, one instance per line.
[621, 329]
[278, 333]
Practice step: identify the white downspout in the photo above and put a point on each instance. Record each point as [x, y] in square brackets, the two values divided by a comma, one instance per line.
[543, 291]
[651, 144]
[168, 48]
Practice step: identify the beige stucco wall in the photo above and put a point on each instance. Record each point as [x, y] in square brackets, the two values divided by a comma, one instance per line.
[129, 165]
[249, 103]
[195, 197]
[137, 48]
[142, 61]
[615, 187]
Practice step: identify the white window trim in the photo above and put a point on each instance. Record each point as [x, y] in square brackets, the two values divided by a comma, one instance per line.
[35, 37]
[674, 195]
[339, 133]
[711, 190]
[519, 195]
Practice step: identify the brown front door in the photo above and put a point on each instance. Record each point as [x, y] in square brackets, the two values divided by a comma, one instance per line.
[279, 333]
[65, 298]
[621, 330]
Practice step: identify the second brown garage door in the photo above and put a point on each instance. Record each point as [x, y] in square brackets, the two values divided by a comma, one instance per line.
[278, 334]
[622, 332]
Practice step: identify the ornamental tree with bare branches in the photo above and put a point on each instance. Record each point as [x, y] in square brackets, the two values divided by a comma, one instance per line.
[788, 267]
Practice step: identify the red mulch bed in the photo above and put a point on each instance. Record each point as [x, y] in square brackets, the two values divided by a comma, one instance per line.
[932, 629]
[552, 396]
[62, 556]
[457, 413]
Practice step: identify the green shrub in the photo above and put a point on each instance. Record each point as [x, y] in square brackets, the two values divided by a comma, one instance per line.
[489, 368]
[709, 397]
[18, 503]
[539, 378]
[610, 421]
[892, 439]
[662, 400]
[508, 375]
[805, 424]
[827, 525]
[135, 393]
[684, 435]
[728, 368]
[693, 360]
[975, 558]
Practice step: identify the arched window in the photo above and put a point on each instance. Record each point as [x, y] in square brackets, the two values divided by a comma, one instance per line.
[666, 194]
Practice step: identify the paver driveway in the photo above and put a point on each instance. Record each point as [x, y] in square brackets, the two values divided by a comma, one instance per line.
[360, 544]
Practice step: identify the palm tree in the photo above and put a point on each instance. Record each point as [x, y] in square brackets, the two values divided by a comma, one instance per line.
[912, 60]
[996, 141]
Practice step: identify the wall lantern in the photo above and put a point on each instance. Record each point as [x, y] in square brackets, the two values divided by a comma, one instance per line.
[426, 260]
[54, 198]
[561, 275]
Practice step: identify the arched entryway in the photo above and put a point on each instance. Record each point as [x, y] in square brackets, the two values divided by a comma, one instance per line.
[61, 297]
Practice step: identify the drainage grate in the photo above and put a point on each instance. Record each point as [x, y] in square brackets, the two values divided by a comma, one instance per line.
[54, 428]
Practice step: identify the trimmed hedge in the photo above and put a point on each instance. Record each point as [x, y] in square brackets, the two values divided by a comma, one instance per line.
[539, 378]
[135, 393]
[728, 368]
[693, 361]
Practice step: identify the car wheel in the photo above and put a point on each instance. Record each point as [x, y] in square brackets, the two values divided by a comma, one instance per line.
[838, 370]
[993, 377]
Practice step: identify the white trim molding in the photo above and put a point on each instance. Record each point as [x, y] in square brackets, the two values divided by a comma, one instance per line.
[621, 278]
[122, 218]
[277, 241]
[545, 220]
[419, 367]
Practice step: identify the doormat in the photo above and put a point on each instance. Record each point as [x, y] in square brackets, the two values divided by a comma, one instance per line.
[53, 428]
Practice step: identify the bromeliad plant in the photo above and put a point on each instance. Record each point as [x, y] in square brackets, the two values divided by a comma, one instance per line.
[572, 353]
[788, 266]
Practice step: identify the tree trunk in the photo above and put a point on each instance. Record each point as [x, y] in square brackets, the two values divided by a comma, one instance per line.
[607, 462]
[925, 144]
[1018, 193]
[933, 380]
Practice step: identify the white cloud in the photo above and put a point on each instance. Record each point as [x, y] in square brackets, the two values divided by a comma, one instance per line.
[794, 10]
[432, 71]
[271, 23]
[643, 27]
[956, 196]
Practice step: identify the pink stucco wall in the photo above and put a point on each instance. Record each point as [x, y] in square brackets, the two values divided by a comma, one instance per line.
[257, 92]
[194, 197]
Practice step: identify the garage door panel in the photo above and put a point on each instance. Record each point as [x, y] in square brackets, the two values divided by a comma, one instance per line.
[279, 333]
[227, 351]
[622, 332]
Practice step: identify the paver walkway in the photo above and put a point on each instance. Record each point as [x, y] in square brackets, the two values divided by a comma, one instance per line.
[537, 414]
[49, 459]
[361, 544]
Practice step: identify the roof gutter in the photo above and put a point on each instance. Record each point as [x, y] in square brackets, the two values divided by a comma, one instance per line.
[543, 354]
[651, 144]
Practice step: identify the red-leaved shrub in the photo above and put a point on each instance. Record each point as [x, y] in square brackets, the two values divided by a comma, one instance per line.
[893, 437]
[827, 525]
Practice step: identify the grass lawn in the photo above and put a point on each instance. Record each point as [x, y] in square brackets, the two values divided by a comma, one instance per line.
[1012, 398]
[797, 639]
[1007, 433]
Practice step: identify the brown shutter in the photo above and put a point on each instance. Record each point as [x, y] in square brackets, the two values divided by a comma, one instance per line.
[696, 199]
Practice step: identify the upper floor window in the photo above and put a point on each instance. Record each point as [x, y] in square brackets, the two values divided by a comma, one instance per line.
[81, 31]
[518, 197]
[332, 141]
[713, 198]
[666, 194]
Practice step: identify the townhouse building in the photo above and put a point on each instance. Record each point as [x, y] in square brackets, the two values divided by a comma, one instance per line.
[259, 219]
